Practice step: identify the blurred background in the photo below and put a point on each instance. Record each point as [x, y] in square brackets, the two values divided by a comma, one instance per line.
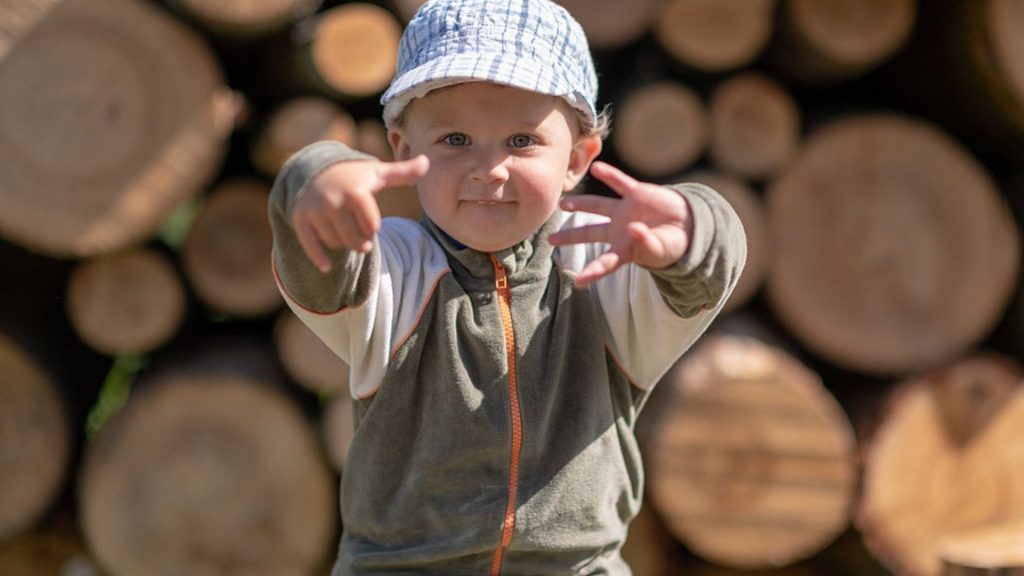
[857, 410]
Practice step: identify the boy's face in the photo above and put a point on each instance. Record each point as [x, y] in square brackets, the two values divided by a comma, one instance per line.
[500, 159]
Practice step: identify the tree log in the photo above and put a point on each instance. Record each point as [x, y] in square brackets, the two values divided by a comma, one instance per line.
[126, 303]
[996, 550]
[751, 210]
[35, 440]
[661, 128]
[54, 548]
[893, 249]
[827, 42]
[755, 126]
[350, 50]
[245, 18]
[715, 35]
[307, 359]
[226, 252]
[650, 549]
[207, 472]
[613, 24]
[751, 462]
[947, 456]
[296, 123]
[113, 113]
[337, 428]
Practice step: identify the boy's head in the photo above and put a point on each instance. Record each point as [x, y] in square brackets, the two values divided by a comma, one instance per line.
[535, 45]
[501, 97]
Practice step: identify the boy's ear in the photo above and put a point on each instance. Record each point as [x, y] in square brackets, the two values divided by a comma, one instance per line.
[399, 145]
[584, 151]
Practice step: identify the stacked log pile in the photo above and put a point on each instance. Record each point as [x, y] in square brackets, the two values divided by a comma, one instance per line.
[857, 410]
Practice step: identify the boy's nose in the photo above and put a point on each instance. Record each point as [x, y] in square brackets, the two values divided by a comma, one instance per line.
[491, 167]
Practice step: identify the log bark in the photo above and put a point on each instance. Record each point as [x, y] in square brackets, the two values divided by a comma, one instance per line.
[307, 359]
[225, 255]
[835, 41]
[641, 139]
[35, 440]
[113, 114]
[750, 208]
[244, 19]
[130, 302]
[751, 463]
[755, 126]
[996, 550]
[208, 471]
[893, 249]
[348, 51]
[613, 24]
[946, 457]
[715, 35]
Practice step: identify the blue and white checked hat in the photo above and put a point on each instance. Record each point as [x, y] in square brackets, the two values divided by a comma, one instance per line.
[531, 44]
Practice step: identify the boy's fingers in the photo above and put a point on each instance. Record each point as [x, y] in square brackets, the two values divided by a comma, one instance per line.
[590, 203]
[312, 247]
[598, 268]
[365, 215]
[403, 172]
[581, 235]
[622, 183]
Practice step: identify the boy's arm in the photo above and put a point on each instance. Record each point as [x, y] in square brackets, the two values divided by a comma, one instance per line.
[661, 262]
[348, 281]
[713, 261]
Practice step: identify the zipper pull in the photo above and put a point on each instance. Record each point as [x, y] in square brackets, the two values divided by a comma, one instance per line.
[500, 278]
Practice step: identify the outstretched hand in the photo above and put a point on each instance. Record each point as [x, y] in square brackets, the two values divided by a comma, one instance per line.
[339, 208]
[649, 225]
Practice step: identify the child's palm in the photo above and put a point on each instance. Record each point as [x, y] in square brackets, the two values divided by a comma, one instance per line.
[340, 207]
[649, 225]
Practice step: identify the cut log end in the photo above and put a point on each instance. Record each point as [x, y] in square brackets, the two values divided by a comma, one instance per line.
[219, 471]
[338, 429]
[715, 35]
[226, 252]
[755, 126]
[110, 119]
[929, 250]
[932, 470]
[245, 18]
[307, 359]
[295, 124]
[994, 550]
[35, 443]
[126, 303]
[1005, 21]
[641, 138]
[355, 49]
[612, 24]
[752, 466]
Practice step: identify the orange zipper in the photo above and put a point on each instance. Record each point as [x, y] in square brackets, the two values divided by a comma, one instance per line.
[505, 306]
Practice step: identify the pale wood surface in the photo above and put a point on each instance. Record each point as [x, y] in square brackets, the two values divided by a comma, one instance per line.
[751, 462]
[113, 113]
[296, 123]
[130, 302]
[947, 456]
[715, 35]
[661, 128]
[35, 439]
[226, 254]
[202, 471]
[893, 248]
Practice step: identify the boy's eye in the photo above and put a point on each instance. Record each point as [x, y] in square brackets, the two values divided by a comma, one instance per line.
[455, 139]
[521, 141]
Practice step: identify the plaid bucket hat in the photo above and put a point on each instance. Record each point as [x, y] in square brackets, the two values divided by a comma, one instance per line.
[535, 45]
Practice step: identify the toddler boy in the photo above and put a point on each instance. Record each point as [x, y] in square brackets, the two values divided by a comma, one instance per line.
[502, 348]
